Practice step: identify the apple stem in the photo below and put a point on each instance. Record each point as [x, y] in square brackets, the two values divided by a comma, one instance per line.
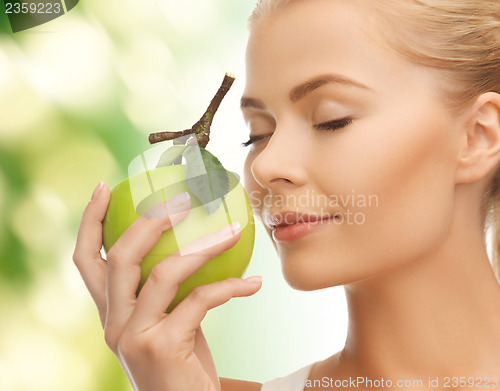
[201, 128]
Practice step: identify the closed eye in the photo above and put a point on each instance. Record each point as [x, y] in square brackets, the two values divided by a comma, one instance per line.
[334, 125]
[253, 139]
[331, 125]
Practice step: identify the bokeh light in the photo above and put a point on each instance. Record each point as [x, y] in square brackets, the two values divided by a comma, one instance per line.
[78, 97]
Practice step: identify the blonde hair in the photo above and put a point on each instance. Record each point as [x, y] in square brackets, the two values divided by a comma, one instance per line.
[461, 38]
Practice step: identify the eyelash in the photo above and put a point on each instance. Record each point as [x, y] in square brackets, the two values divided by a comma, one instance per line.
[252, 140]
[331, 126]
[334, 125]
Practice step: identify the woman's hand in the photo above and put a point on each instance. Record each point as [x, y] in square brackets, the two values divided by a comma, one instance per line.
[158, 351]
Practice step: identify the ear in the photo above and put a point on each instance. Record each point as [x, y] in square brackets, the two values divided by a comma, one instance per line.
[481, 151]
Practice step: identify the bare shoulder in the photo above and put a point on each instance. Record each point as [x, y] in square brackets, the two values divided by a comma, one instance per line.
[227, 384]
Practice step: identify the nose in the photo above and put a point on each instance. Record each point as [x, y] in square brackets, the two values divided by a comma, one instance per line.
[281, 165]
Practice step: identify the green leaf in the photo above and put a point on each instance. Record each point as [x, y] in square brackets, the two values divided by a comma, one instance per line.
[207, 179]
[169, 156]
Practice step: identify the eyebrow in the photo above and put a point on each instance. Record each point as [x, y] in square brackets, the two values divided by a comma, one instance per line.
[307, 87]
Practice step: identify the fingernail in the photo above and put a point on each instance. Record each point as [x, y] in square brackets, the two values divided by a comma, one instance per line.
[97, 190]
[229, 230]
[178, 203]
[253, 279]
[158, 211]
[172, 206]
[208, 242]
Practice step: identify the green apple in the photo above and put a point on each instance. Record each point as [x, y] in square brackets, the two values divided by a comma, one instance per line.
[167, 182]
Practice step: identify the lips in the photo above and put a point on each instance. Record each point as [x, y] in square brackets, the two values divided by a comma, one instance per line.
[282, 219]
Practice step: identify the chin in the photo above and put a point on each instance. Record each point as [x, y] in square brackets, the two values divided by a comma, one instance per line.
[308, 271]
[305, 274]
[301, 283]
[310, 265]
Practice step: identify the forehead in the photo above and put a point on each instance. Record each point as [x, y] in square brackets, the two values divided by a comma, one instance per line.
[294, 28]
[314, 37]
[311, 37]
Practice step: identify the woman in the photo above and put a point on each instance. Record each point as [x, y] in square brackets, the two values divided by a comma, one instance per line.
[394, 100]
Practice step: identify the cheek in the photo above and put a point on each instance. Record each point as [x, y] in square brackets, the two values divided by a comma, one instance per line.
[402, 177]
[407, 168]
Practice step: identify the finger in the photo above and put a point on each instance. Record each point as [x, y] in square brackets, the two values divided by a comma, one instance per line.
[87, 254]
[202, 351]
[161, 286]
[187, 316]
[125, 256]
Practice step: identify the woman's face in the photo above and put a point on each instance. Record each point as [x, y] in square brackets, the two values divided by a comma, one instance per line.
[350, 130]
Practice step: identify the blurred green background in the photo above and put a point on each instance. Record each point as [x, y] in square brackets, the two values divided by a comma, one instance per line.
[78, 97]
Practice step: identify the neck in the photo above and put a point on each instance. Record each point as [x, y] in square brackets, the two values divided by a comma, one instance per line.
[438, 316]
